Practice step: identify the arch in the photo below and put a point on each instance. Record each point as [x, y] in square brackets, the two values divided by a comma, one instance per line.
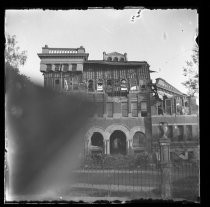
[92, 130]
[110, 129]
[139, 139]
[109, 59]
[115, 59]
[134, 130]
[118, 142]
[122, 59]
[97, 139]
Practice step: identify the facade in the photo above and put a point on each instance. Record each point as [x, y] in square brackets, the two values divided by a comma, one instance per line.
[129, 106]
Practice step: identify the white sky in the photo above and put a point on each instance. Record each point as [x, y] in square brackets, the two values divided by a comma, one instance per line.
[163, 38]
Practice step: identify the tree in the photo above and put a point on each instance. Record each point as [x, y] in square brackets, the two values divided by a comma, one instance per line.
[13, 56]
[191, 73]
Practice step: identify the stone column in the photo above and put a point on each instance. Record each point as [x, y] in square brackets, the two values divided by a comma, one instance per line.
[108, 147]
[165, 165]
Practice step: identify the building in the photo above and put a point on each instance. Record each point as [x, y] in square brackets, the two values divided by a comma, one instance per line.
[129, 105]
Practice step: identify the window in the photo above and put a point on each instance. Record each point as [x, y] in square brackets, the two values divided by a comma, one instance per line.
[180, 133]
[189, 132]
[49, 67]
[57, 81]
[139, 139]
[143, 109]
[170, 131]
[100, 86]
[100, 109]
[74, 67]
[109, 59]
[90, 86]
[134, 109]
[65, 67]
[57, 67]
[125, 109]
[122, 59]
[168, 106]
[124, 85]
[110, 109]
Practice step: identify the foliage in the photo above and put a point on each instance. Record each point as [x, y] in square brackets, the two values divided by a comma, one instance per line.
[191, 73]
[13, 56]
[118, 161]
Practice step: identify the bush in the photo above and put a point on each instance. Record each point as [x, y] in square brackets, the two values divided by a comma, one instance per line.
[118, 161]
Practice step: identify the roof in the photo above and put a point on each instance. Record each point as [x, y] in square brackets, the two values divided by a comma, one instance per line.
[114, 53]
[167, 86]
[115, 63]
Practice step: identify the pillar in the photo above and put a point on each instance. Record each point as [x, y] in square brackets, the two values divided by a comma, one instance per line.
[108, 147]
[165, 167]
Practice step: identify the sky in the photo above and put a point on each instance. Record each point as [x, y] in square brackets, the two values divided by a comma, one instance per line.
[163, 38]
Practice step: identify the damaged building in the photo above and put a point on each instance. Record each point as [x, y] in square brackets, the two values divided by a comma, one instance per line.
[129, 106]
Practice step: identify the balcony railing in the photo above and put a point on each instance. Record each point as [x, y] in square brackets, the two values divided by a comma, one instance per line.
[62, 51]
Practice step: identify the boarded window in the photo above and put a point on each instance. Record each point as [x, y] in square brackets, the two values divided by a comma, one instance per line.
[74, 67]
[143, 108]
[110, 109]
[168, 106]
[134, 109]
[100, 109]
[124, 109]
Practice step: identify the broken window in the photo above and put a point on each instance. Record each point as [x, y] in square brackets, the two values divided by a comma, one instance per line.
[100, 85]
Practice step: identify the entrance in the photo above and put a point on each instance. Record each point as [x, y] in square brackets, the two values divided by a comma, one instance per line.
[118, 143]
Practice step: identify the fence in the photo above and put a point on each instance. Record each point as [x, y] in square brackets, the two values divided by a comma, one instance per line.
[136, 183]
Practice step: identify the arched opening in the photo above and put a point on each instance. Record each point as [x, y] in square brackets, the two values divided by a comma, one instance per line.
[90, 86]
[115, 59]
[97, 142]
[139, 140]
[122, 59]
[118, 142]
[109, 59]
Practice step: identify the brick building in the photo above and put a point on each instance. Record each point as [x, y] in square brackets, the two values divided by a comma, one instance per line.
[129, 106]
